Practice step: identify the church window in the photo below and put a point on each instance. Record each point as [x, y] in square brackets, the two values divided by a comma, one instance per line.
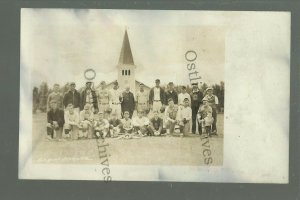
[129, 72]
[125, 72]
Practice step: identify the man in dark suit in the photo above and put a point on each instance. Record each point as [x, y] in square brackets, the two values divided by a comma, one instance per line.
[88, 96]
[196, 99]
[128, 103]
[157, 97]
[72, 97]
[171, 93]
[55, 121]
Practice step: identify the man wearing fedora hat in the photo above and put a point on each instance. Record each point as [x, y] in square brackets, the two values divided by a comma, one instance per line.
[213, 101]
[88, 96]
[196, 99]
[157, 96]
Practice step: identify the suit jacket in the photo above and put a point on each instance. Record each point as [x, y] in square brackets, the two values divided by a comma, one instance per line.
[162, 96]
[83, 99]
[172, 95]
[128, 102]
[73, 98]
[196, 98]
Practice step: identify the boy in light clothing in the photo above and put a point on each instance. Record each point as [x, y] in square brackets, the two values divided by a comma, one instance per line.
[71, 122]
[101, 125]
[86, 122]
[141, 124]
[126, 126]
[184, 117]
[171, 116]
[205, 118]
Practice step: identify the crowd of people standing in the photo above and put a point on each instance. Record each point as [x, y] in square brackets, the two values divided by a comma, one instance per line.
[109, 113]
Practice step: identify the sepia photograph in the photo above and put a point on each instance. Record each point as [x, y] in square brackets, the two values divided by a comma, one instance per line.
[116, 91]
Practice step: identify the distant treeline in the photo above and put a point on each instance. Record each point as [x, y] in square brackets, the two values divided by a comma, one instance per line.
[40, 94]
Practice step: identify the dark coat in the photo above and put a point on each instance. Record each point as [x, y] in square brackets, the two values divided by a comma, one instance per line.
[73, 98]
[56, 115]
[162, 96]
[173, 95]
[196, 99]
[83, 99]
[128, 103]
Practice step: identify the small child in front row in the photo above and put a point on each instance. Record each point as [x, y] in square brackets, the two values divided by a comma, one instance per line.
[126, 126]
[205, 119]
[156, 124]
[101, 125]
[114, 125]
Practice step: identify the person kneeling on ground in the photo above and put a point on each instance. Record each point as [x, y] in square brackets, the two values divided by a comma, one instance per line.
[156, 124]
[171, 116]
[114, 125]
[71, 122]
[86, 122]
[101, 125]
[55, 118]
[126, 126]
[205, 118]
[184, 117]
[141, 124]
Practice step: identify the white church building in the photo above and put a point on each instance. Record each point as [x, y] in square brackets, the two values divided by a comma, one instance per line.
[126, 69]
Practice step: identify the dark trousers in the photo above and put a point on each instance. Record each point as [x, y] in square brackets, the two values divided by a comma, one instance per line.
[214, 115]
[194, 117]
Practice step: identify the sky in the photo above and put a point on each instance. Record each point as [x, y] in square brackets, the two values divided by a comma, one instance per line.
[58, 45]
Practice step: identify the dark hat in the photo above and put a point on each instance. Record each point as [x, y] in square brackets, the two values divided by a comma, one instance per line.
[195, 83]
[116, 83]
[102, 83]
[171, 83]
[141, 84]
[183, 87]
[72, 83]
[185, 99]
[157, 81]
[88, 82]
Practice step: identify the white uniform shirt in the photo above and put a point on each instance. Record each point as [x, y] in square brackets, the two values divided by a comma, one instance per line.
[182, 96]
[185, 112]
[156, 94]
[72, 119]
[115, 94]
[142, 97]
[137, 121]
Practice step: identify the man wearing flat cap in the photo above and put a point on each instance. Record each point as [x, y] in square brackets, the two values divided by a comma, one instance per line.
[157, 96]
[72, 97]
[88, 96]
[171, 93]
[213, 101]
[196, 100]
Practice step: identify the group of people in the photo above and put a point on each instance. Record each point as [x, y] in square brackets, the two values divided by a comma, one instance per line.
[109, 113]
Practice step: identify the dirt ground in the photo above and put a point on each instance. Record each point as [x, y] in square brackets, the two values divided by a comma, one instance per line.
[143, 151]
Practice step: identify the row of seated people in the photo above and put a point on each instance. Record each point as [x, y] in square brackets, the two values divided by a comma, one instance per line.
[86, 124]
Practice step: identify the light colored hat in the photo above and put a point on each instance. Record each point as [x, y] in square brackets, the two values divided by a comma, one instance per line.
[86, 106]
[209, 88]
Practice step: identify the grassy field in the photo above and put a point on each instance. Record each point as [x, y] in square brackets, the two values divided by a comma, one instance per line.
[142, 151]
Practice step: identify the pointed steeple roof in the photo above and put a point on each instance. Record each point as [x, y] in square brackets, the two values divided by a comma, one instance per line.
[126, 54]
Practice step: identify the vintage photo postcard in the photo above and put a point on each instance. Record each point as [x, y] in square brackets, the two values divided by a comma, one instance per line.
[140, 95]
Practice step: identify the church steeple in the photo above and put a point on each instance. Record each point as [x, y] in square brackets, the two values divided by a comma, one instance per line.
[126, 54]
